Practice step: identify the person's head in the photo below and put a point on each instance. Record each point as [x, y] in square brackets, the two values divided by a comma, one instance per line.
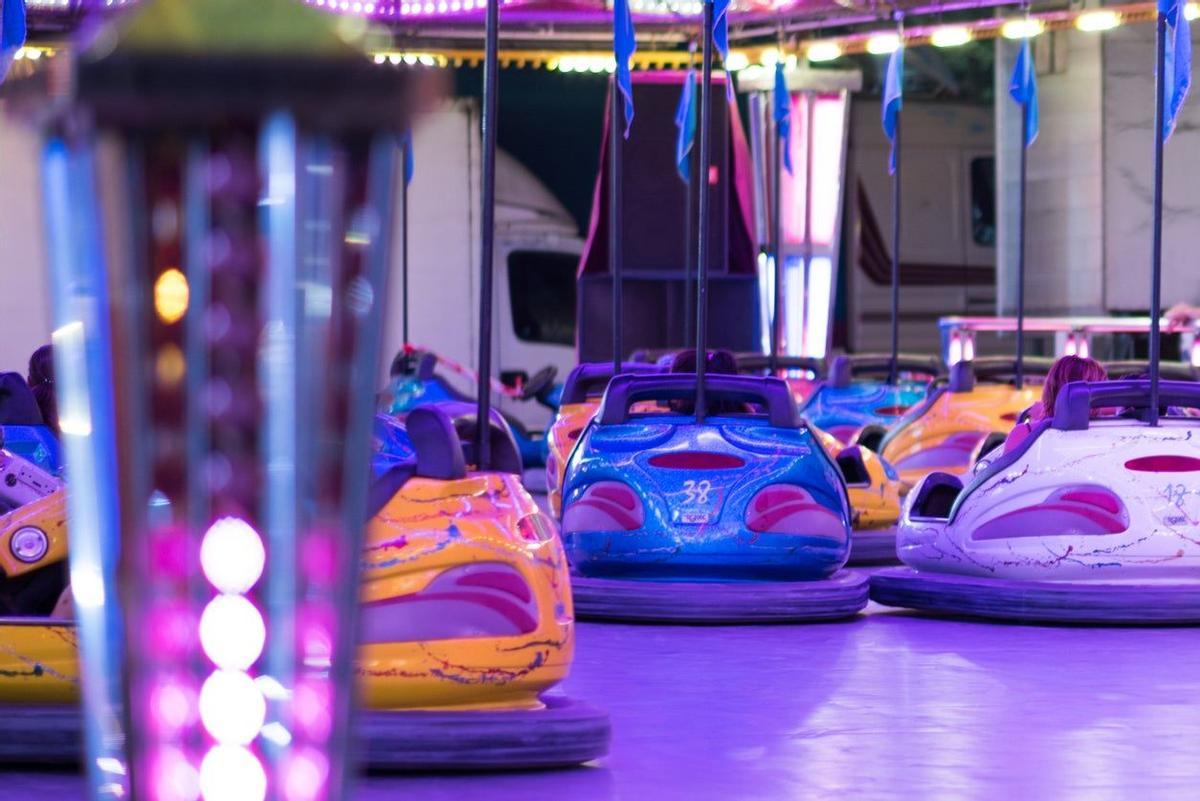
[1066, 370]
[41, 382]
[717, 361]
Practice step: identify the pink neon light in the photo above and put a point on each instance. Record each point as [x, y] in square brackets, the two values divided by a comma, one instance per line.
[174, 777]
[171, 629]
[172, 707]
[828, 125]
[305, 775]
[311, 704]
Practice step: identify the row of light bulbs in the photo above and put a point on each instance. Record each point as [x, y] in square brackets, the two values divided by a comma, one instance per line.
[956, 35]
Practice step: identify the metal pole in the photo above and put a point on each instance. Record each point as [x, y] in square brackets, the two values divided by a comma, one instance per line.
[702, 226]
[893, 371]
[614, 221]
[488, 234]
[1021, 254]
[777, 242]
[404, 240]
[1156, 256]
[688, 215]
[810, 102]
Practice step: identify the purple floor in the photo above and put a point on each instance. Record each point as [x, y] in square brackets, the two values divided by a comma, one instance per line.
[889, 706]
[886, 707]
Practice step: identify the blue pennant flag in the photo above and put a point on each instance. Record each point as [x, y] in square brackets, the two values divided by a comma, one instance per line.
[624, 46]
[1023, 88]
[720, 35]
[1177, 73]
[12, 32]
[406, 143]
[783, 115]
[893, 100]
[685, 121]
[720, 29]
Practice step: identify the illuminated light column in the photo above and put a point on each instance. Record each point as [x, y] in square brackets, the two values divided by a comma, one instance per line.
[218, 437]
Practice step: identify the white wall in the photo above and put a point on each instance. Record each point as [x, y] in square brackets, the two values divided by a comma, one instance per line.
[1128, 171]
[938, 142]
[1090, 178]
[24, 291]
[1065, 178]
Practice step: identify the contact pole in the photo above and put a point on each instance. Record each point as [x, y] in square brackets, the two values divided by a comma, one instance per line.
[893, 367]
[404, 240]
[1156, 255]
[703, 223]
[614, 222]
[491, 74]
[1021, 253]
[777, 247]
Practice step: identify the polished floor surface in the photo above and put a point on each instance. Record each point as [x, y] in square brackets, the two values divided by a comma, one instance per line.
[889, 706]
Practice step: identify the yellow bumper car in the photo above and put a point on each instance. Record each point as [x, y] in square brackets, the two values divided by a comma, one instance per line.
[962, 419]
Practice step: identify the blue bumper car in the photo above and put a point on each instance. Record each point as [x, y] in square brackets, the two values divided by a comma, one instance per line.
[415, 381]
[740, 516]
[856, 404]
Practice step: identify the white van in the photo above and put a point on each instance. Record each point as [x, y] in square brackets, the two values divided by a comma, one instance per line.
[537, 251]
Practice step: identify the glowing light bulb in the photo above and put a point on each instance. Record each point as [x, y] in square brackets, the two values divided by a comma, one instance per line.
[823, 51]
[232, 632]
[232, 707]
[881, 44]
[951, 36]
[737, 61]
[1022, 28]
[232, 555]
[171, 296]
[232, 773]
[1191, 11]
[1099, 20]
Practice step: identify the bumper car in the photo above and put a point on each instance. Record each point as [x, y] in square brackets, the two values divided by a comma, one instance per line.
[578, 402]
[415, 380]
[961, 420]
[1092, 519]
[803, 374]
[741, 517]
[856, 404]
[23, 432]
[873, 487]
[37, 648]
[466, 619]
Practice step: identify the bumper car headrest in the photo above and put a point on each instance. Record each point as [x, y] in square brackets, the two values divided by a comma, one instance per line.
[770, 393]
[444, 437]
[962, 377]
[18, 406]
[844, 368]
[590, 379]
[1073, 409]
[752, 363]
[1133, 369]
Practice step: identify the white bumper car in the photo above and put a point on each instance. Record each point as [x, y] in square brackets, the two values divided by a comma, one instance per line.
[1094, 518]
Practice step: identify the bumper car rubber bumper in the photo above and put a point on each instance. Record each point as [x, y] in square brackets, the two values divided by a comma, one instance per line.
[1124, 603]
[563, 733]
[842, 595]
